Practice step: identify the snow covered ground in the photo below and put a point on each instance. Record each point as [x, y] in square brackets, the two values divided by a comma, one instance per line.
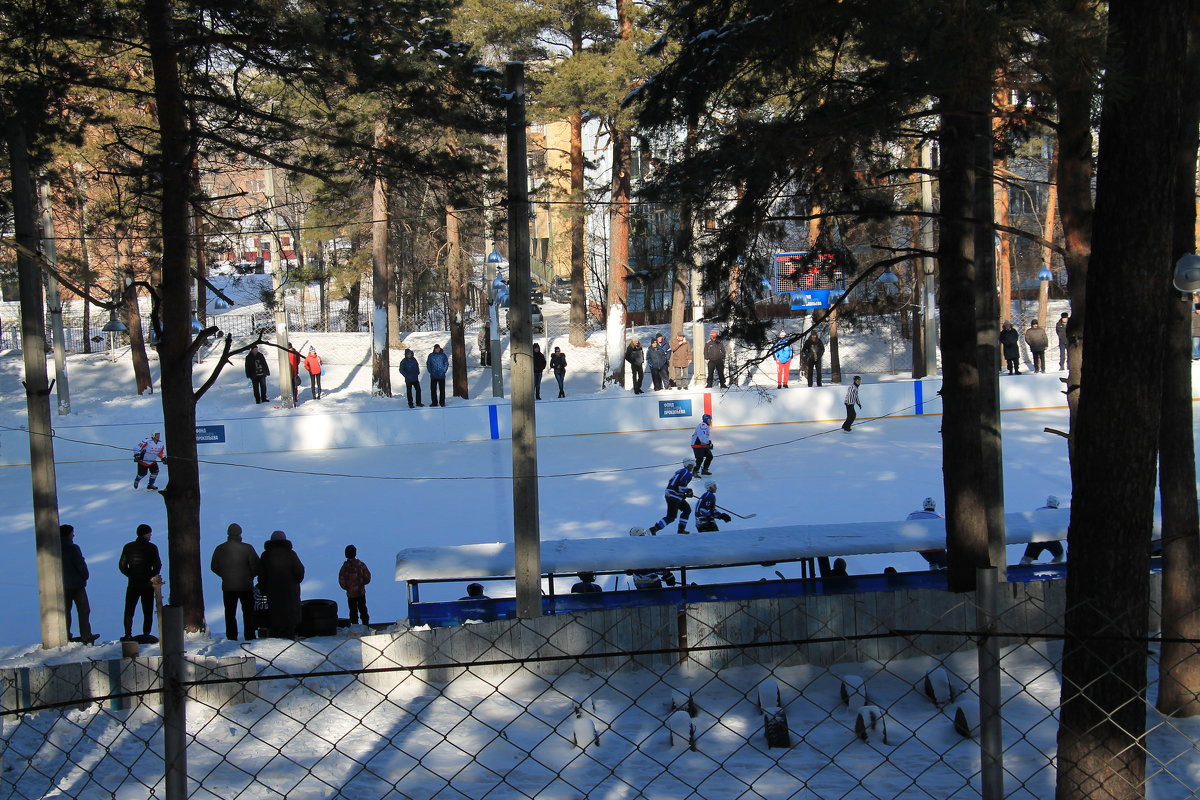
[384, 499]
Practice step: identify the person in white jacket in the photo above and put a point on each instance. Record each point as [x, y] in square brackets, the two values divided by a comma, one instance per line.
[150, 451]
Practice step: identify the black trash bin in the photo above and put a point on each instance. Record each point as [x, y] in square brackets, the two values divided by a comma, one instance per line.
[318, 618]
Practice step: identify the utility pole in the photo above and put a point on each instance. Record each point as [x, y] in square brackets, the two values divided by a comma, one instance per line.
[37, 393]
[527, 539]
[54, 301]
[929, 289]
[281, 326]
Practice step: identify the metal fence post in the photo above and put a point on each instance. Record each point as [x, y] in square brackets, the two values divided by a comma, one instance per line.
[991, 744]
[174, 704]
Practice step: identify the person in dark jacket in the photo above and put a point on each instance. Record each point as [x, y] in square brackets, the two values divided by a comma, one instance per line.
[280, 573]
[1037, 340]
[636, 356]
[1060, 330]
[558, 365]
[586, 584]
[354, 577]
[658, 359]
[811, 355]
[437, 365]
[539, 366]
[485, 345]
[257, 371]
[410, 370]
[1010, 343]
[75, 578]
[139, 563]
[714, 359]
[236, 563]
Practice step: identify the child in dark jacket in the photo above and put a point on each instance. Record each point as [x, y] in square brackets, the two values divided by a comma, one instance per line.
[354, 577]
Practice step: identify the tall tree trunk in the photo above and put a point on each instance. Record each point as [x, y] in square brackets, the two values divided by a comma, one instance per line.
[353, 298]
[1049, 215]
[1075, 90]
[182, 493]
[456, 273]
[198, 240]
[577, 216]
[381, 284]
[1101, 751]
[133, 319]
[1000, 206]
[86, 257]
[962, 454]
[618, 265]
[1179, 667]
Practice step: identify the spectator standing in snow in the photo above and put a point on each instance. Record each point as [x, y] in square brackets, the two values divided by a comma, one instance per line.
[1010, 343]
[558, 365]
[75, 577]
[936, 558]
[586, 584]
[636, 358]
[714, 360]
[852, 401]
[150, 451]
[294, 359]
[676, 496]
[354, 577]
[314, 368]
[539, 367]
[139, 563]
[657, 358]
[1035, 549]
[437, 365]
[410, 370]
[280, 573]
[707, 512]
[257, 371]
[811, 354]
[782, 351]
[702, 444]
[1060, 330]
[485, 349]
[1036, 338]
[681, 359]
[236, 563]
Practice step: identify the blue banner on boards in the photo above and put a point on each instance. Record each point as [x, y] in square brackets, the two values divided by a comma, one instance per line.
[674, 408]
[210, 434]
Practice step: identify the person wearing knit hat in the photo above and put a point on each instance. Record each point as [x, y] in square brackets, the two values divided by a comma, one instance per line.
[236, 563]
[354, 577]
[139, 563]
[280, 573]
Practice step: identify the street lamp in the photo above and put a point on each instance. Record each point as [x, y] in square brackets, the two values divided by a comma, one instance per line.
[889, 281]
[1044, 277]
[113, 327]
[1187, 274]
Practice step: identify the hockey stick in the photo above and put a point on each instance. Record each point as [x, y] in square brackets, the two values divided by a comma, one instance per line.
[739, 516]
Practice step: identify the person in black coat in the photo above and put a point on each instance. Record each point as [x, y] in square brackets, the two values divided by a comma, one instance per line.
[811, 354]
[75, 578]
[558, 364]
[280, 573]
[257, 371]
[714, 358]
[1010, 342]
[139, 563]
[539, 366]
[636, 358]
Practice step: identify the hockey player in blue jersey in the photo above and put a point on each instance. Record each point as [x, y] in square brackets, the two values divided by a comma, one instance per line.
[676, 495]
[707, 512]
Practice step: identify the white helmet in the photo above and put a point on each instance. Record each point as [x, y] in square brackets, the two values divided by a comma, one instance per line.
[928, 504]
[689, 462]
[1052, 502]
[711, 486]
[638, 531]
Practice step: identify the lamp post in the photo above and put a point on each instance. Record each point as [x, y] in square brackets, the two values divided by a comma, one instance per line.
[490, 265]
[112, 328]
[1044, 277]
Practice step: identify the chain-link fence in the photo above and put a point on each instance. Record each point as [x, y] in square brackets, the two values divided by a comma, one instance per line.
[877, 695]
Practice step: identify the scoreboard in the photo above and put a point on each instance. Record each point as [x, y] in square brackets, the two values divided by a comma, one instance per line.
[808, 277]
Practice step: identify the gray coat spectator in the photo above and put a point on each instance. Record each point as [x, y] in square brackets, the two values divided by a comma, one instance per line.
[1037, 340]
[237, 565]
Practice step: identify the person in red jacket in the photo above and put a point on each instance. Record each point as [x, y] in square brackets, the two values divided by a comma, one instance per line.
[354, 577]
[312, 365]
[294, 359]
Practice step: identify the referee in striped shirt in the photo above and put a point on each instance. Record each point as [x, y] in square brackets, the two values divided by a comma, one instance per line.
[851, 402]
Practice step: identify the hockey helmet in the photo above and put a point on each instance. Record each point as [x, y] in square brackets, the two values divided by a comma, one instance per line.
[928, 504]
[711, 486]
[1052, 502]
[689, 462]
[638, 531]
[707, 418]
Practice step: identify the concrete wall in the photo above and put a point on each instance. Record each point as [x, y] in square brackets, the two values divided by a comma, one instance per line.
[614, 411]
